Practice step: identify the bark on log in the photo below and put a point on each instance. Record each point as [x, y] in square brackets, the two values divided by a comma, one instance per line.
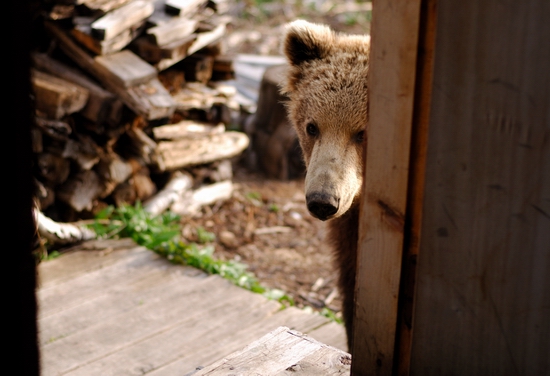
[174, 189]
[61, 233]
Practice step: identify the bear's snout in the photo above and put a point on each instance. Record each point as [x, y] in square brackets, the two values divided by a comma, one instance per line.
[322, 205]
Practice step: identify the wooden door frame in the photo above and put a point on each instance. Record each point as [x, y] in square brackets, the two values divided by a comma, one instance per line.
[400, 74]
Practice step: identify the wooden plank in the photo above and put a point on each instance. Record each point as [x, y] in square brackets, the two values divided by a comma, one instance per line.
[97, 341]
[207, 324]
[415, 196]
[391, 85]
[241, 336]
[483, 285]
[282, 352]
[80, 259]
[125, 69]
[120, 19]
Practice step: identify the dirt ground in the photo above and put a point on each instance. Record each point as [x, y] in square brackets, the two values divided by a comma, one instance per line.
[265, 224]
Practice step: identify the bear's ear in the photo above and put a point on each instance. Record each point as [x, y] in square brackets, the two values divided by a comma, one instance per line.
[305, 41]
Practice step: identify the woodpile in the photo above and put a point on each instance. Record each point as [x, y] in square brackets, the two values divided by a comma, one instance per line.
[131, 104]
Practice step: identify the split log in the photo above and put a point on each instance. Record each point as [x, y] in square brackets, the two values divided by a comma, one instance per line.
[190, 203]
[84, 151]
[53, 168]
[120, 19]
[186, 129]
[175, 29]
[144, 148]
[184, 8]
[83, 34]
[113, 171]
[275, 140]
[202, 40]
[57, 97]
[198, 68]
[124, 69]
[101, 104]
[149, 99]
[58, 130]
[61, 233]
[44, 195]
[188, 152]
[179, 183]
[80, 190]
[103, 6]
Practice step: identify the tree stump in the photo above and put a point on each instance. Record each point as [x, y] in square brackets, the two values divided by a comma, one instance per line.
[275, 142]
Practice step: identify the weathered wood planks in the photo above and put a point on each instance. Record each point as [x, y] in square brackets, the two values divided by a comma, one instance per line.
[115, 308]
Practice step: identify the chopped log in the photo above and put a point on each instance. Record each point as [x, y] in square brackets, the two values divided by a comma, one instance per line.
[36, 140]
[61, 233]
[190, 203]
[113, 171]
[184, 7]
[213, 172]
[101, 104]
[80, 190]
[58, 130]
[179, 183]
[53, 168]
[149, 99]
[143, 185]
[275, 140]
[125, 69]
[83, 34]
[176, 29]
[124, 194]
[44, 194]
[57, 97]
[186, 129]
[188, 152]
[144, 148]
[84, 151]
[196, 95]
[120, 19]
[198, 68]
[103, 6]
[181, 51]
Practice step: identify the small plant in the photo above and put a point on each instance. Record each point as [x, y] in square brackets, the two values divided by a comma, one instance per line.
[205, 236]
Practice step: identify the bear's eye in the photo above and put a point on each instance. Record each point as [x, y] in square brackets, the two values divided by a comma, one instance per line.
[360, 137]
[312, 129]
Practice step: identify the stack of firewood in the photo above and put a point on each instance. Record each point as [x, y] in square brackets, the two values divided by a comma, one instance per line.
[130, 99]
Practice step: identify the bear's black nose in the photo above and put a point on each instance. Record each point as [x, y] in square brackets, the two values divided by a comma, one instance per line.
[321, 205]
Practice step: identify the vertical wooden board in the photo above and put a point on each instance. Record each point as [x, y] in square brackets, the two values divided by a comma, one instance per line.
[391, 85]
[482, 302]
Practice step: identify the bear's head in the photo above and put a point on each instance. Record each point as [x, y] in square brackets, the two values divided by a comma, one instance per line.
[327, 90]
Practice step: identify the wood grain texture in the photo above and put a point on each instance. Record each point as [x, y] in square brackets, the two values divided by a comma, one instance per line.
[282, 352]
[113, 308]
[391, 85]
[483, 286]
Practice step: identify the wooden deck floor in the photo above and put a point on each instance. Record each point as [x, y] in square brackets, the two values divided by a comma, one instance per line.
[114, 308]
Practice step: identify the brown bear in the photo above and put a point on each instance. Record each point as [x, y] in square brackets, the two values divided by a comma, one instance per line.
[326, 86]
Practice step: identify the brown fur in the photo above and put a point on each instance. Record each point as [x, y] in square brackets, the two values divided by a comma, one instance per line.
[327, 90]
